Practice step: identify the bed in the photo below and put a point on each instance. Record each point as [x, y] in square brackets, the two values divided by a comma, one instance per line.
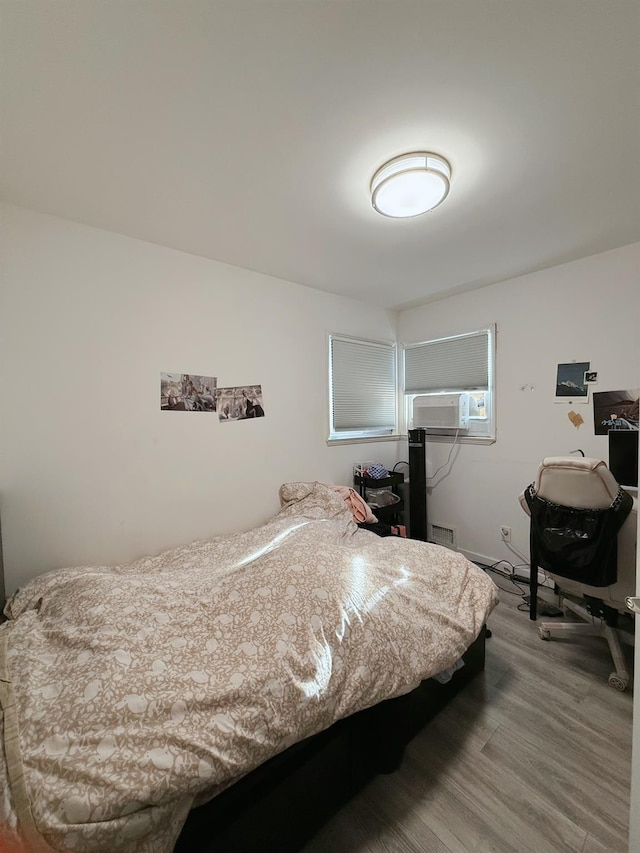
[159, 704]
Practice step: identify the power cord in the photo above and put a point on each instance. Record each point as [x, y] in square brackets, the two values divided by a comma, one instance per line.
[455, 441]
[507, 575]
[544, 608]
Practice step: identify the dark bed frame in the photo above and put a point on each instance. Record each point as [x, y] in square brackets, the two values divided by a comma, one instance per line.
[281, 804]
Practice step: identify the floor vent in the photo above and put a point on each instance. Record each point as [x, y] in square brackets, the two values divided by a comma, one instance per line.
[442, 535]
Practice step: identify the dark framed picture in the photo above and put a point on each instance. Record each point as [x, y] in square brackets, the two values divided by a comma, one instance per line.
[615, 410]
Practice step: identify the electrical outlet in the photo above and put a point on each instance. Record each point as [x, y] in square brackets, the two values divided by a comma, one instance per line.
[505, 533]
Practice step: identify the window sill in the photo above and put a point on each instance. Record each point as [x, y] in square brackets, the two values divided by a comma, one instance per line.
[441, 438]
[363, 440]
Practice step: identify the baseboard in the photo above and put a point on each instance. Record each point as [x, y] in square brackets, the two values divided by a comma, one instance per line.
[477, 558]
[522, 575]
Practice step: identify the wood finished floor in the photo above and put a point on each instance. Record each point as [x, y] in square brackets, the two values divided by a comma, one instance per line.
[533, 756]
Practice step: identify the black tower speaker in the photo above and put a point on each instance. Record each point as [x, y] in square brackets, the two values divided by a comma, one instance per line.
[417, 484]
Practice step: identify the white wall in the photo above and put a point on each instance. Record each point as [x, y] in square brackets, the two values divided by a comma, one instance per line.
[91, 471]
[587, 310]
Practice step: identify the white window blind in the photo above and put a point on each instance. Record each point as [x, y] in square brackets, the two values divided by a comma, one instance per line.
[458, 363]
[362, 387]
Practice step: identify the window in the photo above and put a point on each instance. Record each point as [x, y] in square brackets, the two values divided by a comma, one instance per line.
[460, 363]
[363, 396]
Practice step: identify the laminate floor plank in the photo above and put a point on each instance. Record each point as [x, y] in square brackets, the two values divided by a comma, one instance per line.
[610, 714]
[532, 757]
[577, 787]
[568, 666]
[378, 823]
[551, 723]
[486, 804]
[593, 846]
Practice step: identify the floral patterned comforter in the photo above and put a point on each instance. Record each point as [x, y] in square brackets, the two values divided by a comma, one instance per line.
[131, 692]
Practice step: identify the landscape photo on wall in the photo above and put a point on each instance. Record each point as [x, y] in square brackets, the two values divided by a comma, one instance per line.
[570, 382]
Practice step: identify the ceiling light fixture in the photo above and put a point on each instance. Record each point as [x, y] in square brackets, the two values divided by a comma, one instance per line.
[410, 184]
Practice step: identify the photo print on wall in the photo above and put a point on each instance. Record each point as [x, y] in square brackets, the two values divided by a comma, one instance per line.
[615, 410]
[570, 384]
[185, 392]
[240, 403]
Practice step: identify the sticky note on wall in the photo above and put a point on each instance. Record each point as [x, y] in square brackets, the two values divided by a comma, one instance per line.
[575, 418]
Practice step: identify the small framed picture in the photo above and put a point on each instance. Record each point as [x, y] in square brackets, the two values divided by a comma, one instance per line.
[570, 382]
[590, 376]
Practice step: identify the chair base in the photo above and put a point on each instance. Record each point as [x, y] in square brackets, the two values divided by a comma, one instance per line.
[620, 677]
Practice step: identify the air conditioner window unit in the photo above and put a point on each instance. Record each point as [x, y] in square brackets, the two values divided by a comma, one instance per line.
[441, 411]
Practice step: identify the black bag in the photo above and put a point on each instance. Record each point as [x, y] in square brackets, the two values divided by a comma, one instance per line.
[580, 544]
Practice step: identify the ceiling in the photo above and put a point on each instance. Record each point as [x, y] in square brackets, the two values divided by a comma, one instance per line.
[248, 131]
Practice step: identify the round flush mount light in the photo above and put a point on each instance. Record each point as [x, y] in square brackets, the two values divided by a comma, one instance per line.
[410, 184]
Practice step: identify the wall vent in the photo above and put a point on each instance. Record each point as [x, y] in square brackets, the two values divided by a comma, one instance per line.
[441, 534]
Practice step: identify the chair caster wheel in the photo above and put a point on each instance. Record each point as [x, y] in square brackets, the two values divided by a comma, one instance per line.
[544, 633]
[618, 681]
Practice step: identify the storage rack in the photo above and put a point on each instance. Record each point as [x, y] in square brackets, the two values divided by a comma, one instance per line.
[392, 514]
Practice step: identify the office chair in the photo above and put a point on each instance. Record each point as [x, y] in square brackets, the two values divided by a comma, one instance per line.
[567, 486]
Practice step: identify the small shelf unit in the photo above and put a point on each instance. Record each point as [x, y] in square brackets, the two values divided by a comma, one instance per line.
[392, 514]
